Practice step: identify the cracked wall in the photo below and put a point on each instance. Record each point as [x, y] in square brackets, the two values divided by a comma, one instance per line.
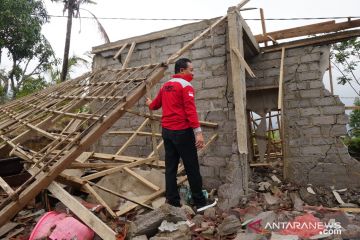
[314, 119]
[214, 100]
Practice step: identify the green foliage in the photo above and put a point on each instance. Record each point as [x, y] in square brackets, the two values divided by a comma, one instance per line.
[20, 26]
[346, 59]
[355, 116]
[30, 52]
[31, 85]
[353, 140]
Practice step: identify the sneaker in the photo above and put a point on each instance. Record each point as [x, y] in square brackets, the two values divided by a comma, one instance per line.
[209, 203]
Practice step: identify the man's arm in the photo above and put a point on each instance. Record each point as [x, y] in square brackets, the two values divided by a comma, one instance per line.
[192, 116]
[156, 103]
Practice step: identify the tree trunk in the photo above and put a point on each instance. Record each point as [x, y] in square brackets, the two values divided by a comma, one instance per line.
[12, 75]
[67, 41]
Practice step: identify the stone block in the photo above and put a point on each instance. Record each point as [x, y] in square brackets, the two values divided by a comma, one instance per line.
[323, 120]
[333, 110]
[311, 150]
[313, 93]
[215, 61]
[312, 57]
[215, 82]
[201, 53]
[211, 93]
[182, 38]
[170, 49]
[325, 101]
[214, 161]
[316, 84]
[207, 171]
[303, 76]
[311, 131]
[342, 119]
[338, 130]
[309, 111]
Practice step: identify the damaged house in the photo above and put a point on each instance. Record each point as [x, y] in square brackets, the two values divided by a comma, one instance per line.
[245, 95]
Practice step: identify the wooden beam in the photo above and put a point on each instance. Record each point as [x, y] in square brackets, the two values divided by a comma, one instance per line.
[132, 132]
[243, 62]
[42, 182]
[238, 79]
[116, 56]
[352, 107]
[99, 199]
[263, 26]
[82, 212]
[249, 36]
[331, 78]
[142, 179]
[281, 80]
[5, 186]
[116, 169]
[189, 45]
[324, 27]
[150, 197]
[119, 195]
[319, 40]
[258, 88]
[132, 137]
[128, 56]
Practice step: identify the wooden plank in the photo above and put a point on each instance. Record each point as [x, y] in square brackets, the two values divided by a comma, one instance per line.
[132, 137]
[128, 57]
[99, 199]
[281, 80]
[243, 62]
[116, 56]
[35, 187]
[258, 88]
[331, 78]
[5, 186]
[16, 232]
[158, 117]
[352, 107]
[116, 169]
[295, 32]
[82, 212]
[120, 195]
[142, 179]
[319, 40]
[263, 26]
[249, 37]
[132, 132]
[150, 197]
[238, 79]
[189, 45]
[7, 227]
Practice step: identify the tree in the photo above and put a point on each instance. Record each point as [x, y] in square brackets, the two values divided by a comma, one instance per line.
[353, 140]
[346, 58]
[73, 10]
[20, 36]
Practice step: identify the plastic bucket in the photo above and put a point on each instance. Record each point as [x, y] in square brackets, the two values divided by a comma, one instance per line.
[45, 224]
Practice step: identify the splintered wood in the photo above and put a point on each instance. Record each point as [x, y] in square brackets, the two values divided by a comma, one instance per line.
[61, 116]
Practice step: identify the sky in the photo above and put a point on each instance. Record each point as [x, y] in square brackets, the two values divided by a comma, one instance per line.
[85, 34]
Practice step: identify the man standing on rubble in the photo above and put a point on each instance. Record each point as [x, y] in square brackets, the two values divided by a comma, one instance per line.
[181, 132]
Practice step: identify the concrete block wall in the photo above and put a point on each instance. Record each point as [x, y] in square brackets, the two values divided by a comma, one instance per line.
[212, 92]
[314, 119]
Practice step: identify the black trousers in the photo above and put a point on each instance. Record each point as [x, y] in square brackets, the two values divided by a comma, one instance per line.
[181, 143]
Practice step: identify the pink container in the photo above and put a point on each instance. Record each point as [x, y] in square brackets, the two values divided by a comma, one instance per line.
[70, 228]
[45, 224]
[57, 226]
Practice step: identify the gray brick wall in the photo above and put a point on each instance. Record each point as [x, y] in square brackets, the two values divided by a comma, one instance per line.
[315, 120]
[213, 94]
